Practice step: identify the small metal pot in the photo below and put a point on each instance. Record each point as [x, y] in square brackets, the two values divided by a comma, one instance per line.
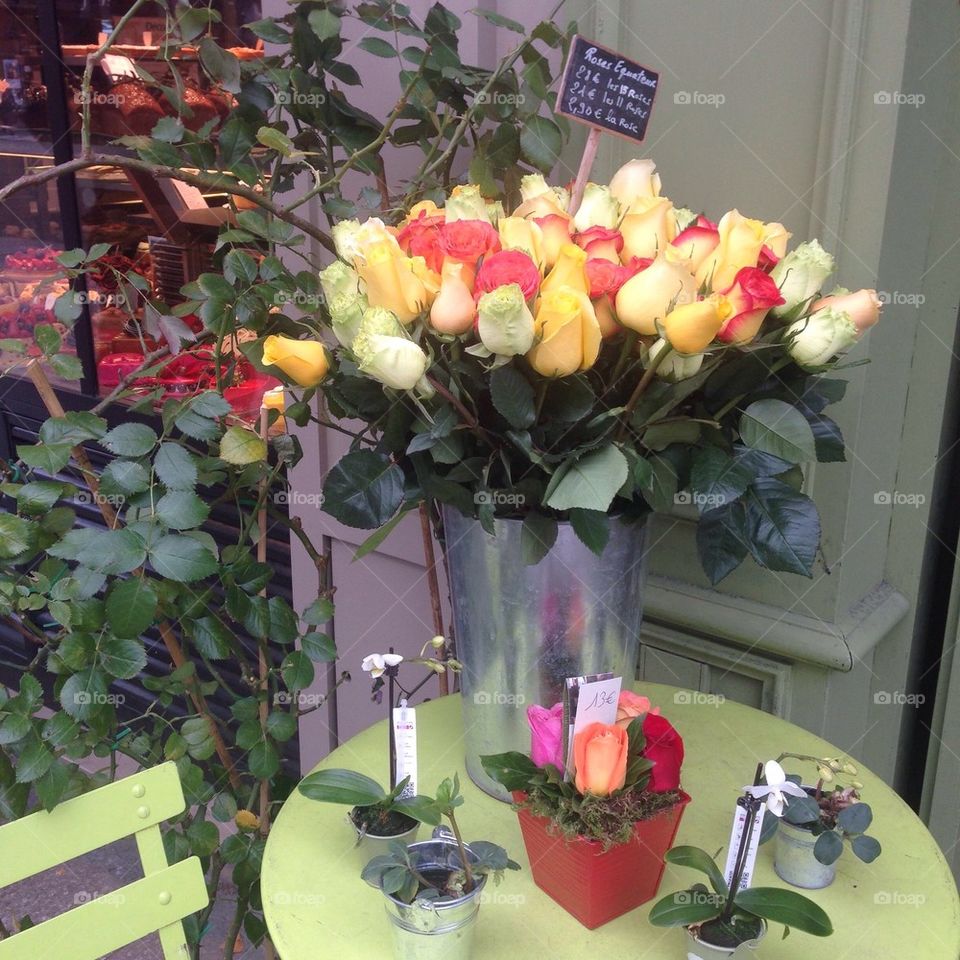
[370, 845]
[698, 949]
[793, 859]
[425, 929]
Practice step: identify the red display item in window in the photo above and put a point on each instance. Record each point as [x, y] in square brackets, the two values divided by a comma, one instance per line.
[115, 366]
[245, 398]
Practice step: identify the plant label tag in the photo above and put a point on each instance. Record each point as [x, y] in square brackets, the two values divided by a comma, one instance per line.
[586, 700]
[744, 821]
[604, 89]
[405, 736]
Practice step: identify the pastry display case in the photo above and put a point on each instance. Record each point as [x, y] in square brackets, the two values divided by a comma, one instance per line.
[162, 231]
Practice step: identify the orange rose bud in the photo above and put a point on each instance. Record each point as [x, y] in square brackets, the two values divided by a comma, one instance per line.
[454, 309]
[600, 758]
[862, 307]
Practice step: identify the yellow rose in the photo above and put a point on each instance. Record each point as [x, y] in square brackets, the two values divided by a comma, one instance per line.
[647, 297]
[741, 241]
[648, 228]
[305, 362]
[454, 309]
[351, 237]
[519, 234]
[674, 367]
[392, 281]
[775, 236]
[569, 271]
[635, 180]
[691, 328]
[569, 334]
[606, 318]
[426, 207]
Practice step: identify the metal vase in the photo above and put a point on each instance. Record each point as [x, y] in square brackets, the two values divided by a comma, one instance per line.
[370, 845]
[431, 930]
[794, 860]
[521, 630]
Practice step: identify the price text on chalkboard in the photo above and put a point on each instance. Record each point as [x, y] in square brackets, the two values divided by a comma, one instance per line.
[604, 89]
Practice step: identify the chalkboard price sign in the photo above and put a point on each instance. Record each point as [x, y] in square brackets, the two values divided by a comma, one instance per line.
[604, 89]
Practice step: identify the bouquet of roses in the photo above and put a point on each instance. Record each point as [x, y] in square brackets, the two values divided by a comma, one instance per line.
[588, 363]
[623, 772]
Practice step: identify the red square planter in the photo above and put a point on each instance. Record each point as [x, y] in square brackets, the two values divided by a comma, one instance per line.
[594, 886]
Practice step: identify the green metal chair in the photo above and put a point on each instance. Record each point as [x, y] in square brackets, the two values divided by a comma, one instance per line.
[155, 904]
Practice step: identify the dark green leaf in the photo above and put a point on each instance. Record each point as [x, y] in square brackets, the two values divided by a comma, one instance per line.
[130, 440]
[592, 527]
[297, 670]
[697, 859]
[776, 427]
[856, 818]
[537, 536]
[540, 143]
[182, 559]
[122, 657]
[319, 647]
[175, 466]
[342, 786]
[592, 482]
[787, 907]
[212, 638]
[513, 397]
[866, 848]
[182, 509]
[131, 607]
[828, 847]
[222, 65]
[514, 771]
[782, 526]
[722, 540]
[363, 490]
[378, 47]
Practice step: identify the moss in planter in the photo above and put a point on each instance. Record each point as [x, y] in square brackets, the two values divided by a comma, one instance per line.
[729, 933]
[378, 822]
[610, 820]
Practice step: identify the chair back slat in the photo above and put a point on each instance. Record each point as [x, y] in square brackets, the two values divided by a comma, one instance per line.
[101, 926]
[42, 840]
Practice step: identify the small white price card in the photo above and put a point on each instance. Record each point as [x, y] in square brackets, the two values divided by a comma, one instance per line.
[591, 699]
[405, 737]
[741, 823]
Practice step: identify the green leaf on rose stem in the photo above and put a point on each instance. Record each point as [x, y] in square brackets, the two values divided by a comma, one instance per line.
[182, 509]
[324, 23]
[168, 129]
[591, 482]
[697, 859]
[717, 478]
[682, 908]
[537, 536]
[378, 47]
[281, 726]
[199, 739]
[268, 29]
[319, 647]
[512, 770]
[224, 807]
[297, 670]
[592, 527]
[223, 66]
[787, 907]
[34, 760]
[47, 338]
[273, 139]
[540, 143]
[660, 491]
[827, 437]
[175, 466]
[866, 848]
[319, 611]
[856, 818]
[363, 490]
[828, 847]
[241, 446]
[121, 478]
[131, 606]
[498, 20]
[16, 535]
[777, 427]
[513, 397]
[40, 495]
[67, 366]
[211, 637]
[570, 400]
[782, 526]
[342, 786]
[53, 784]
[103, 551]
[239, 265]
[129, 440]
[49, 457]
[14, 727]
[182, 559]
[722, 540]
[121, 657]
[82, 693]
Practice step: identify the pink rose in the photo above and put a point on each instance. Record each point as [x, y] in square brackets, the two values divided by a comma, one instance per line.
[546, 735]
[632, 705]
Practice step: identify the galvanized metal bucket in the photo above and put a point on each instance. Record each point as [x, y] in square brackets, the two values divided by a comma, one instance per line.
[426, 929]
[521, 630]
[794, 860]
[370, 845]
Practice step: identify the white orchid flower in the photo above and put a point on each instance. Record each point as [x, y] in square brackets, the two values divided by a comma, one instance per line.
[776, 788]
[376, 663]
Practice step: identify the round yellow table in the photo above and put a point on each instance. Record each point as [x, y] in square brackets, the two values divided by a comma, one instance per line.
[903, 905]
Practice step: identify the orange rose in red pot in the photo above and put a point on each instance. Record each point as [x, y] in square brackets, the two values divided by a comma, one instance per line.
[614, 819]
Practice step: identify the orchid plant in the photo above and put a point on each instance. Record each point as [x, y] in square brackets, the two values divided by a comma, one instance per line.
[831, 810]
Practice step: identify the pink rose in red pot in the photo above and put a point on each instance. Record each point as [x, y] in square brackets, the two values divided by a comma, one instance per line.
[632, 705]
[546, 734]
[665, 748]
